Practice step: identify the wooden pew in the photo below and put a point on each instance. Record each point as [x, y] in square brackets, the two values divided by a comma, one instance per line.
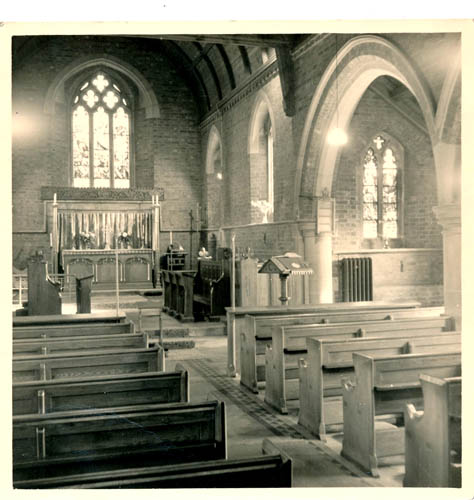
[328, 361]
[73, 329]
[235, 318]
[433, 436]
[100, 392]
[385, 385]
[258, 334]
[289, 346]
[63, 345]
[266, 471]
[62, 319]
[80, 441]
[88, 364]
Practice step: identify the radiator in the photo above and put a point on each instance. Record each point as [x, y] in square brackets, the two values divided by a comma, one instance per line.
[356, 279]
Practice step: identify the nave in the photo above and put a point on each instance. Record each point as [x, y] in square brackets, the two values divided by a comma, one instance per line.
[251, 428]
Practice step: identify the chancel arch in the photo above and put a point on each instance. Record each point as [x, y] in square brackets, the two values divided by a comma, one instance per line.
[260, 147]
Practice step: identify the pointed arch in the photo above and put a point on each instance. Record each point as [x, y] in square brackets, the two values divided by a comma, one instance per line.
[359, 62]
[56, 91]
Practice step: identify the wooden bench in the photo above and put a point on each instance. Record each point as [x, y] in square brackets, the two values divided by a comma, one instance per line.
[385, 385]
[50, 331]
[88, 364]
[258, 334]
[235, 318]
[289, 346]
[433, 436]
[271, 471]
[100, 392]
[328, 361]
[58, 345]
[81, 441]
[63, 319]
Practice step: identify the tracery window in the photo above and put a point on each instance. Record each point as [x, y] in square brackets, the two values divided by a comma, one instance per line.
[382, 190]
[101, 134]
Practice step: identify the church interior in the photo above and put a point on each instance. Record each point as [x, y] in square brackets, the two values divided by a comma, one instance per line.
[245, 206]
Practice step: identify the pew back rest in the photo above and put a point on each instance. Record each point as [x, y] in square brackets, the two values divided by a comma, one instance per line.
[100, 392]
[261, 327]
[79, 343]
[294, 336]
[62, 319]
[77, 435]
[267, 471]
[392, 372]
[70, 330]
[88, 363]
[338, 353]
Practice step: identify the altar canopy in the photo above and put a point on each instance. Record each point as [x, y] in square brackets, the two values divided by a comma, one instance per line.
[80, 230]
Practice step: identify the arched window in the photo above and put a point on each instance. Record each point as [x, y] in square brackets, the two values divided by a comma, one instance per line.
[101, 134]
[382, 188]
[269, 151]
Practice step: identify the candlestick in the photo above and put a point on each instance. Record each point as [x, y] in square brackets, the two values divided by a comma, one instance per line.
[171, 237]
[54, 198]
[50, 240]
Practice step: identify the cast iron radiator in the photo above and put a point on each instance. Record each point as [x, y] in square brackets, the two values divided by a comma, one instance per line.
[356, 279]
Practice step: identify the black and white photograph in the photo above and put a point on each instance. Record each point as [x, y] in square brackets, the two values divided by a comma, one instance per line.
[237, 257]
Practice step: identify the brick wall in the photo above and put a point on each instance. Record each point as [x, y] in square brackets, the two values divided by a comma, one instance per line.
[167, 149]
[419, 186]
[400, 275]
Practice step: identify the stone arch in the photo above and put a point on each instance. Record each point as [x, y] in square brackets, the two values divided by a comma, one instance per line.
[359, 62]
[146, 95]
[260, 146]
[448, 137]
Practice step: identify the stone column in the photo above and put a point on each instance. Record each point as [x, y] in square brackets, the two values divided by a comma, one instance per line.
[449, 217]
[318, 254]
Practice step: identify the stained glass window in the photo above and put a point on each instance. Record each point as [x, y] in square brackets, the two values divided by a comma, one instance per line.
[380, 196]
[100, 135]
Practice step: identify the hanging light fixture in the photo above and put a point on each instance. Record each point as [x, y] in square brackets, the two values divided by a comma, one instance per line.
[337, 136]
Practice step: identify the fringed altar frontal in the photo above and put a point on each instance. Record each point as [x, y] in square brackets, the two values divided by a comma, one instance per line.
[105, 238]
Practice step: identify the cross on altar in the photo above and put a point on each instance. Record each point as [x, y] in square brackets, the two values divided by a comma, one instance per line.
[379, 142]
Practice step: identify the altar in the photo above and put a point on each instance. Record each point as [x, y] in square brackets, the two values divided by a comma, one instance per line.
[108, 233]
[134, 267]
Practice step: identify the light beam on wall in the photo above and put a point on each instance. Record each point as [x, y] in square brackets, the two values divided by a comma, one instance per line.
[22, 126]
[337, 136]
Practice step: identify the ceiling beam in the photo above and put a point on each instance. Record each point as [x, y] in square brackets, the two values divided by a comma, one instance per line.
[238, 39]
[287, 79]
[212, 70]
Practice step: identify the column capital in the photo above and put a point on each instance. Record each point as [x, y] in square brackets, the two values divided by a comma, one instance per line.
[307, 228]
[448, 216]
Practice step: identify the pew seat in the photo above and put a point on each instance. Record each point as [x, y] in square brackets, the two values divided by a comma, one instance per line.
[433, 436]
[328, 361]
[88, 363]
[80, 441]
[383, 386]
[271, 471]
[100, 392]
[288, 345]
[257, 333]
[236, 318]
